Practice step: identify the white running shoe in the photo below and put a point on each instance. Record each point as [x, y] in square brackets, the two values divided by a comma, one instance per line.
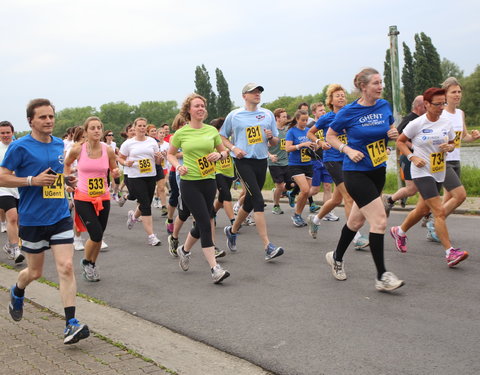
[3, 227]
[388, 282]
[153, 240]
[8, 251]
[104, 246]
[331, 217]
[78, 244]
[131, 220]
[236, 207]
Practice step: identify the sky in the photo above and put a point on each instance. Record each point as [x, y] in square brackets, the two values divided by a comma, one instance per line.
[88, 53]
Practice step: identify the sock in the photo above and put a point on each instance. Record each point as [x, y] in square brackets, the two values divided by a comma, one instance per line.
[376, 248]
[85, 262]
[69, 313]
[232, 221]
[447, 252]
[317, 220]
[357, 236]
[18, 292]
[401, 232]
[276, 205]
[295, 191]
[345, 238]
[390, 200]
[169, 221]
[310, 200]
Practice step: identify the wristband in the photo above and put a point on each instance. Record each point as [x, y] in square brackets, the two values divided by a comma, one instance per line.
[233, 148]
[296, 146]
[29, 180]
[317, 140]
[269, 139]
[342, 146]
[409, 157]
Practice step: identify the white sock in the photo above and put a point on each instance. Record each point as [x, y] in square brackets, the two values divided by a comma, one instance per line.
[401, 232]
[317, 220]
[447, 252]
[357, 236]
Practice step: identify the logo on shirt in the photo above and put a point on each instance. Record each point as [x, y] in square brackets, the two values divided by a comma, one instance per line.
[372, 119]
[427, 131]
[260, 117]
[60, 158]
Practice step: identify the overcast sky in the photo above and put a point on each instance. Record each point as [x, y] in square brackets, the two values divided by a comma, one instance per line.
[80, 53]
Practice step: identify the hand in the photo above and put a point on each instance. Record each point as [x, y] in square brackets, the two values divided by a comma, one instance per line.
[418, 162]
[129, 163]
[239, 153]
[392, 133]
[446, 147]
[325, 145]
[182, 169]
[214, 156]
[475, 134]
[354, 155]
[273, 158]
[268, 133]
[115, 173]
[71, 181]
[44, 178]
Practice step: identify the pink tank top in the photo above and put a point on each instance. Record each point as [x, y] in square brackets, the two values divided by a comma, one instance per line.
[92, 173]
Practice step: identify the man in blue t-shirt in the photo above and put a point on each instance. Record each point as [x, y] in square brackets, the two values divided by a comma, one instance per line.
[34, 164]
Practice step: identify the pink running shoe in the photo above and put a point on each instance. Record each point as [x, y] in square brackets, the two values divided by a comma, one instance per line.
[400, 241]
[169, 227]
[456, 256]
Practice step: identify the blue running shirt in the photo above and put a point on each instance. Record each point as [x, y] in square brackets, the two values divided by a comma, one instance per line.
[298, 157]
[322, 124]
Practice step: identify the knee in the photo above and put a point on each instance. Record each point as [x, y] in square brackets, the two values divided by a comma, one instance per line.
[34, 274]
[379, 225]
[460, 194]
[65, 269]
[439, 213]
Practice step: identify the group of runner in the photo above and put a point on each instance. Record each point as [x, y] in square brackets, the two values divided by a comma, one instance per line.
[346, 146]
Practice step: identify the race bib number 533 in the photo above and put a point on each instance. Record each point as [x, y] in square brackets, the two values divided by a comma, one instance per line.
[378, 152]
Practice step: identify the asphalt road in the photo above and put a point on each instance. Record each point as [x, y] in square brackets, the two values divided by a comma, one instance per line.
[290, 316]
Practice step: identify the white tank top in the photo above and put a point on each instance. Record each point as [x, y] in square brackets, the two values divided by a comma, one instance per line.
[457, 122]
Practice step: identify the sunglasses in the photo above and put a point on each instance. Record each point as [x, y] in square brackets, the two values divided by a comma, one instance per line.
[109, 135]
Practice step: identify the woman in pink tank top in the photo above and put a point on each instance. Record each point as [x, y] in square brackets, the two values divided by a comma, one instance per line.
[92, 197]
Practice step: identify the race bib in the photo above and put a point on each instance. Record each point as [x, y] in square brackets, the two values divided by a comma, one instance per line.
[254, 135]
[162, 163]
[145, 165]
[343, 138]
[226, 163]
[55, 190]
[320, 135]
[458, 138]
[282, 144]
[206, 167]
[96, 186]
[437, 162]
[377, 152]
[304, 155]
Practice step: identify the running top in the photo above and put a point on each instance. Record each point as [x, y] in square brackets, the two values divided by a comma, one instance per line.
[4, 191]
[143, 155]
[279, 150]
[38, 205]
[92, 173]
[456, 119]
[247, 129]
[298, 157]
[366, 128]
[322, 124]
[426, 136]
[196, 144]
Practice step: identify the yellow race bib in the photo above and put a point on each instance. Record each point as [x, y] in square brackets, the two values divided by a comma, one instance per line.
[377, 152]
[206, 167]
[343, 138]
[145, 165]
[55, 190]
[96, 186]
[458, 138]
[254, 135]
[304, 155]
[226, 163]
[282, 144]
[437, 162]
[320, 135]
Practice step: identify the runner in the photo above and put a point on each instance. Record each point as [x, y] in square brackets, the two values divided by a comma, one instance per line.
[160, 194]
[128, 133]
[140, 154]
[114, 183]
[367, 124]
[300, 149]
[9, 200]
[431, 135]
[202, 147]
[45, 222]
[253, 129]
[92, 197]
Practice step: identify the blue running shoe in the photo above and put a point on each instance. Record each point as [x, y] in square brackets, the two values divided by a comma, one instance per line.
[291, 199]
[298, 220]
[231, 238]
[314, 207]
[431, 234]
[15, 307]
[272, 251]
[75, 332]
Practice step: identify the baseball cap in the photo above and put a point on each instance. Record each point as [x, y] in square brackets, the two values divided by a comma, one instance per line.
[250, 87]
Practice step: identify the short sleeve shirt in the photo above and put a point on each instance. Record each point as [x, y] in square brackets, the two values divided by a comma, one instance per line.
[298, 157]
[323, 124]
[143, 155]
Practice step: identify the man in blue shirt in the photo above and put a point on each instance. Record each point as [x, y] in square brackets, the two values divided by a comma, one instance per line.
[34, 164]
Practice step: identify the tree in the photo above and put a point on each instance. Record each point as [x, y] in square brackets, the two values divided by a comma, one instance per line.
[387, 78]
[116, 115]
[70, 117]
[204, 87]
[471, 97]
[427, 70]
[224, 104]
[408, 78]
[450, 69]
[157, 113]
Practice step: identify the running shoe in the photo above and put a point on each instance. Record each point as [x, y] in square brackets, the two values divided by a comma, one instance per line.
[87, 271]
[388, 282]
[121, 201]
[277, 210]
[331, 217]
[78, 244]
[219, 253]
[236, 207]
[8, 251]
[403, 202]
[387, 205]
[231, 238]
[219, 274]
[103, 246]
[426, 219]
[164, 211]
[96, 276]
[431, 233]
[75, 332]
[456, 256]
[291, 199]
[184, 258]
[250, 220]
[337, 267]
[361, 243]
[312, 227]
[115, 197]
[3, 226]
[272, 251]
[15, 307]
[172, 246]
[314, 207]
[400, 241]
[131, 220]
[153, 240]
[298, 220]
[18, 257]
[169, 227]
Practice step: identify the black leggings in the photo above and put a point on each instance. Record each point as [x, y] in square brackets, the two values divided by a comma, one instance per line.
[130, 197]
[95, 224]
[173, 199]
[364, 186]
[199, 195]
[252, 172]
[143, 188]
[224, 184]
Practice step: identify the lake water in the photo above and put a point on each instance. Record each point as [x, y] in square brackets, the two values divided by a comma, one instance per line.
[469, 155]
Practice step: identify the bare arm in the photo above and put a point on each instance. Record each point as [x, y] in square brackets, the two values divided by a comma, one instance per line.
[8, 179]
